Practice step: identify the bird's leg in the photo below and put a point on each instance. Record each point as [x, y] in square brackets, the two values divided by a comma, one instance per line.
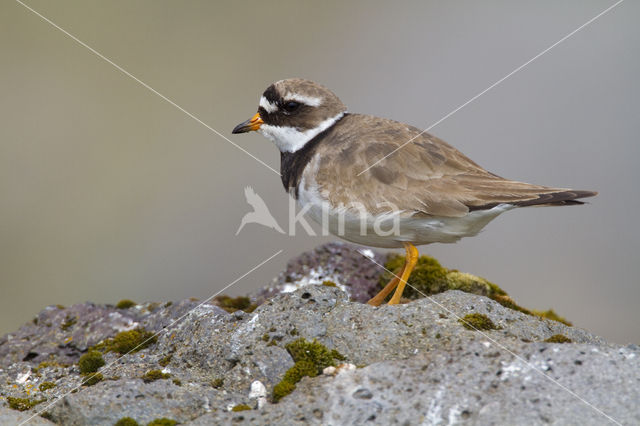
[379, 298]
[410, 263]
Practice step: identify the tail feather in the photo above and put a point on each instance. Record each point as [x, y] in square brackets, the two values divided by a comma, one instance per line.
[567, 197]
[563, 198]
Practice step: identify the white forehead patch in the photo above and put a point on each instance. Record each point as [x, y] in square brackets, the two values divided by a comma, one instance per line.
[290, 139]
[268, 106]
[304, 99]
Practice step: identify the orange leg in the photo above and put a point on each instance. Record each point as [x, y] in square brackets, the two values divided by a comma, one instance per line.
[379, 298]
[410, 263]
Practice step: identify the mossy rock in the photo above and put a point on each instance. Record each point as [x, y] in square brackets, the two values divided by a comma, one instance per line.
[551, 315]
[429, 278]
[125, 304]
[127, 341]
[93, 379]
[241, 407]
[22, 404]
[162, 422]
[165, 360]
[153, 375]
[44, 386]
[126, 421]
[310, 359]
[477, 322]
[558, 338]
[69, 322]
[232, 304]
[90, 362]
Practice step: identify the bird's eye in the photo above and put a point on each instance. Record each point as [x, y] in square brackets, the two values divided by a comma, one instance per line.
[291, 106]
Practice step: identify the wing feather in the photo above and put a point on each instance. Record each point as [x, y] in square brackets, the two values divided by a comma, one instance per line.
[427, 176]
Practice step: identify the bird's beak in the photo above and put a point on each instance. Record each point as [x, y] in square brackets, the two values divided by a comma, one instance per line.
[250, 125]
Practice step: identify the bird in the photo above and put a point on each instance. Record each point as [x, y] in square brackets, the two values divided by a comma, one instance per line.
[382, 183]
[260, 213]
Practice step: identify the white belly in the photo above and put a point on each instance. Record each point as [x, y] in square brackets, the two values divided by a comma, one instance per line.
[393, 229]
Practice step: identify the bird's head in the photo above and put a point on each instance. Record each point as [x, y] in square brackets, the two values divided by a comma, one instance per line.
[292, 112]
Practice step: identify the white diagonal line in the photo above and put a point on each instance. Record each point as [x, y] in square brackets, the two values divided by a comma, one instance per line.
[501, 346]
[145, 85]
[496, 83]
[106, 367]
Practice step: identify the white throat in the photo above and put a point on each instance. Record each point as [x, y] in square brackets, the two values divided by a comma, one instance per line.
[290, 139]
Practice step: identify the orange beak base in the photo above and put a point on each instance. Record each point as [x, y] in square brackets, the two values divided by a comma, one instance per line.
[250, 125]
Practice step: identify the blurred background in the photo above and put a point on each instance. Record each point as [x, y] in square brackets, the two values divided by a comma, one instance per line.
[109, 192]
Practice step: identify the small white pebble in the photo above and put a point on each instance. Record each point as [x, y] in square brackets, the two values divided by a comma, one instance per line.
[259, 392]
[332, 371]
[257, 389]
[22, 378]
[329, 371]
[487, 344]
[347, 366]
[166, 371]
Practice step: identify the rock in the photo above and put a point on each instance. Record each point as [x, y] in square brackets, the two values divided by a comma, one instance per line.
[418, 363]
[13, 417]
[337, 262]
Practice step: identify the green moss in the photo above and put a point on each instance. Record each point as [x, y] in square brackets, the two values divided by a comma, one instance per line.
[329, 284]
[265, 337]
[550, 314]
[217, 383]
[310, 359]
[46, 386]
[165, 361]
[153, 375]
[162, 422]
[128, 341]
[558, 338]
[90, 362]
[59, 306]
[177, 382]
[299, 370]
[47, 364]
[69, 322]
[282, 389]
[232, 304]
[92, 379]
[508, 302]
[477, 321]
[22, 404]
[429, 277]
[125, 304]
[126, 421]
[241, 407]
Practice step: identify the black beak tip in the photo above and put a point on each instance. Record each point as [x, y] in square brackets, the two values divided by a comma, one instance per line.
[243, 127]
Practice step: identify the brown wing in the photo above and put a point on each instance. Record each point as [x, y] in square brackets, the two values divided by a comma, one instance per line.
[427, 176]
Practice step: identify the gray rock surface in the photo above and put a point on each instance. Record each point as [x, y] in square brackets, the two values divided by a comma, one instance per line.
[13, 417]
[417, 364]
[338, 262]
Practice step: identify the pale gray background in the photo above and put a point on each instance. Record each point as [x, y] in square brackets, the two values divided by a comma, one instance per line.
[108, 192]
